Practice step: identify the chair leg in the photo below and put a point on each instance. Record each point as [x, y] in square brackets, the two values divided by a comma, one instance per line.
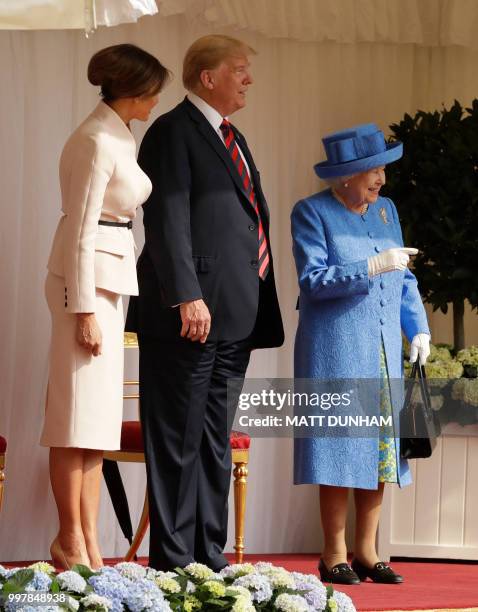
[2, 477]
[140, 531]
[240, 490]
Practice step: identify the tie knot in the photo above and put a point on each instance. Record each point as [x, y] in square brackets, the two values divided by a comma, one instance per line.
[225, 126]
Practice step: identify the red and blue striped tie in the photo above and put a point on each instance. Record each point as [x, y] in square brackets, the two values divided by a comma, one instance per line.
[231, 145]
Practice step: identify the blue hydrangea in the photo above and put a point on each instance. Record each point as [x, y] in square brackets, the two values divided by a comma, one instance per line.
[259, 586]
[144, 595]
[72, 581]
[15, 608]
[110, 584]
[316, 593]
[344, 602]
[40, 582]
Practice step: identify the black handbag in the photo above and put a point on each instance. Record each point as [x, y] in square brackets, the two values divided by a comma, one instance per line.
[418, 421]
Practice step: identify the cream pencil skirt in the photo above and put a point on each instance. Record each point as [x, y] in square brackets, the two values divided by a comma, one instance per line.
[84, 405]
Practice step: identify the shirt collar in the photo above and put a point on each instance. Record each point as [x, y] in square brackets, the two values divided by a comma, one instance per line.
[211, 114]
[106, 114]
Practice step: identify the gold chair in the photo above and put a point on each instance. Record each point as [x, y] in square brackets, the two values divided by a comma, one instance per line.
[3, 450]
[132, 452]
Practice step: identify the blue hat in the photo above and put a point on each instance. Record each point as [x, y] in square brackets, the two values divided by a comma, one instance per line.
[356, 150]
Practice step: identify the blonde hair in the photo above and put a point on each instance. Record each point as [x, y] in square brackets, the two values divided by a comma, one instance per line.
[207, 53]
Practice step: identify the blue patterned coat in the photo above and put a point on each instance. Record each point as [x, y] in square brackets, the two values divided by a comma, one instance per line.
[343, 317]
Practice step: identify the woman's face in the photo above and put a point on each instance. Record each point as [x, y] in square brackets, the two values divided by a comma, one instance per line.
[143, 106]
[365, 187]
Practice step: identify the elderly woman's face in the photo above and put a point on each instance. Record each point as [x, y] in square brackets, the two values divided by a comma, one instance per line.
[365, 187]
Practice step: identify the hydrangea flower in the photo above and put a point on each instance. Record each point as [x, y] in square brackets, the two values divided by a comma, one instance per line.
[97, 602]
[217, 589]
[199, 571]
[238, 569]
[110, 584]
[71, 581]
[291, 603]
[243, 602]
[192, 603]
[279, 577]
[344, 603]
[259, 586]
[132, 571]
[39, 582]
[167, 583]
[145, 595]
[315, 592]
[42, 566]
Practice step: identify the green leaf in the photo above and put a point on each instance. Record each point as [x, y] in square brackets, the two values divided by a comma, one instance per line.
[18, 581]
[84, 571]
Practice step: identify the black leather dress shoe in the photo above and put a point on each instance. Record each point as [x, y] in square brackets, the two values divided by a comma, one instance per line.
[380, 572]
[341, 573]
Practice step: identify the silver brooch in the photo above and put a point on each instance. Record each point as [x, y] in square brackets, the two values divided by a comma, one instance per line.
[383, 214]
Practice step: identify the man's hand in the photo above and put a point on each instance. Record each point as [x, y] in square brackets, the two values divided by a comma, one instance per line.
[196, 320]
[88, 333]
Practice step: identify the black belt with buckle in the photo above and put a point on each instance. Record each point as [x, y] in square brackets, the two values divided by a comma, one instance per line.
[129, 225]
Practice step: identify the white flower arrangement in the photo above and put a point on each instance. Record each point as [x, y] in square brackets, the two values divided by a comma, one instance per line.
[128, 586]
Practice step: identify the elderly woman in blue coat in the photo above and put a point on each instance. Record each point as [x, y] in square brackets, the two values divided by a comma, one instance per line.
[357, 295]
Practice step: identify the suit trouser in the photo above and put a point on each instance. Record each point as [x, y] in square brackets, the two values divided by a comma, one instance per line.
[186, 417]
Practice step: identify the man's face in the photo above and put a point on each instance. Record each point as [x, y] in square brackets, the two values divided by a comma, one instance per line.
[229, 84]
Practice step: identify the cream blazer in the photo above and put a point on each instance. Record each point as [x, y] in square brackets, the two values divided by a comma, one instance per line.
[99, 179]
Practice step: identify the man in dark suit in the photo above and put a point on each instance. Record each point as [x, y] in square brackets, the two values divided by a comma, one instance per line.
[207, 297]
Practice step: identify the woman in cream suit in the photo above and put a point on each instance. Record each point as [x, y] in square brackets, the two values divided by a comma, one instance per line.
[91, 265]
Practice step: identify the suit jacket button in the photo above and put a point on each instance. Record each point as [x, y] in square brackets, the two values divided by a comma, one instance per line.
[254, 263]
[252, 227]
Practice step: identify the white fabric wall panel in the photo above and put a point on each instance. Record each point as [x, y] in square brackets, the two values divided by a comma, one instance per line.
[435, 517]
[302, 90]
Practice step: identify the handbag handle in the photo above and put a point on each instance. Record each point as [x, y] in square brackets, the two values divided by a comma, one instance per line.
[419, 369]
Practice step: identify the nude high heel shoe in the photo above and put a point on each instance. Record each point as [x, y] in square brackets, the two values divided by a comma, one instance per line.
[58, 556]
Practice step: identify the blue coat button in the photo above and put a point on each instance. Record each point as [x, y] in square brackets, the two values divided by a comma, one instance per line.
[382, 321]
[324, 282]
[333, 280]
[343, 279]
[382, 285]
[361, 275]
[377, 249]
[370, 235]
[382, 302]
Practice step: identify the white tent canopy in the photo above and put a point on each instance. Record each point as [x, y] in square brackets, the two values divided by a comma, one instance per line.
[71, 14]
[421, 22]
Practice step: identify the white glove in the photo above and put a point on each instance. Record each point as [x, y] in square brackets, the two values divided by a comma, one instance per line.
[390, 260]
[420, 347]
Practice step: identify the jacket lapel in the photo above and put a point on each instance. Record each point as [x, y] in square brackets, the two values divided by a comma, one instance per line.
[216, 143]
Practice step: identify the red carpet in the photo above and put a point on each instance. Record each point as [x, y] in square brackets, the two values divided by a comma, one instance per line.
[427, 586]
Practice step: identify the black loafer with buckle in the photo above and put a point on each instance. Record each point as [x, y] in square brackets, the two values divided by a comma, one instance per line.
[380, 572]
[341, 573]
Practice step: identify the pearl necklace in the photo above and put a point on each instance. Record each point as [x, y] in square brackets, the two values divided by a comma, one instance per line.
[363, 208]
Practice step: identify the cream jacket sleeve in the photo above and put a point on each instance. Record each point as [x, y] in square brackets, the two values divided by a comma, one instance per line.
[87, 167]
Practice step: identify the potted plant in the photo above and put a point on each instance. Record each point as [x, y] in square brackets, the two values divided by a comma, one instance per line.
[435, 186]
